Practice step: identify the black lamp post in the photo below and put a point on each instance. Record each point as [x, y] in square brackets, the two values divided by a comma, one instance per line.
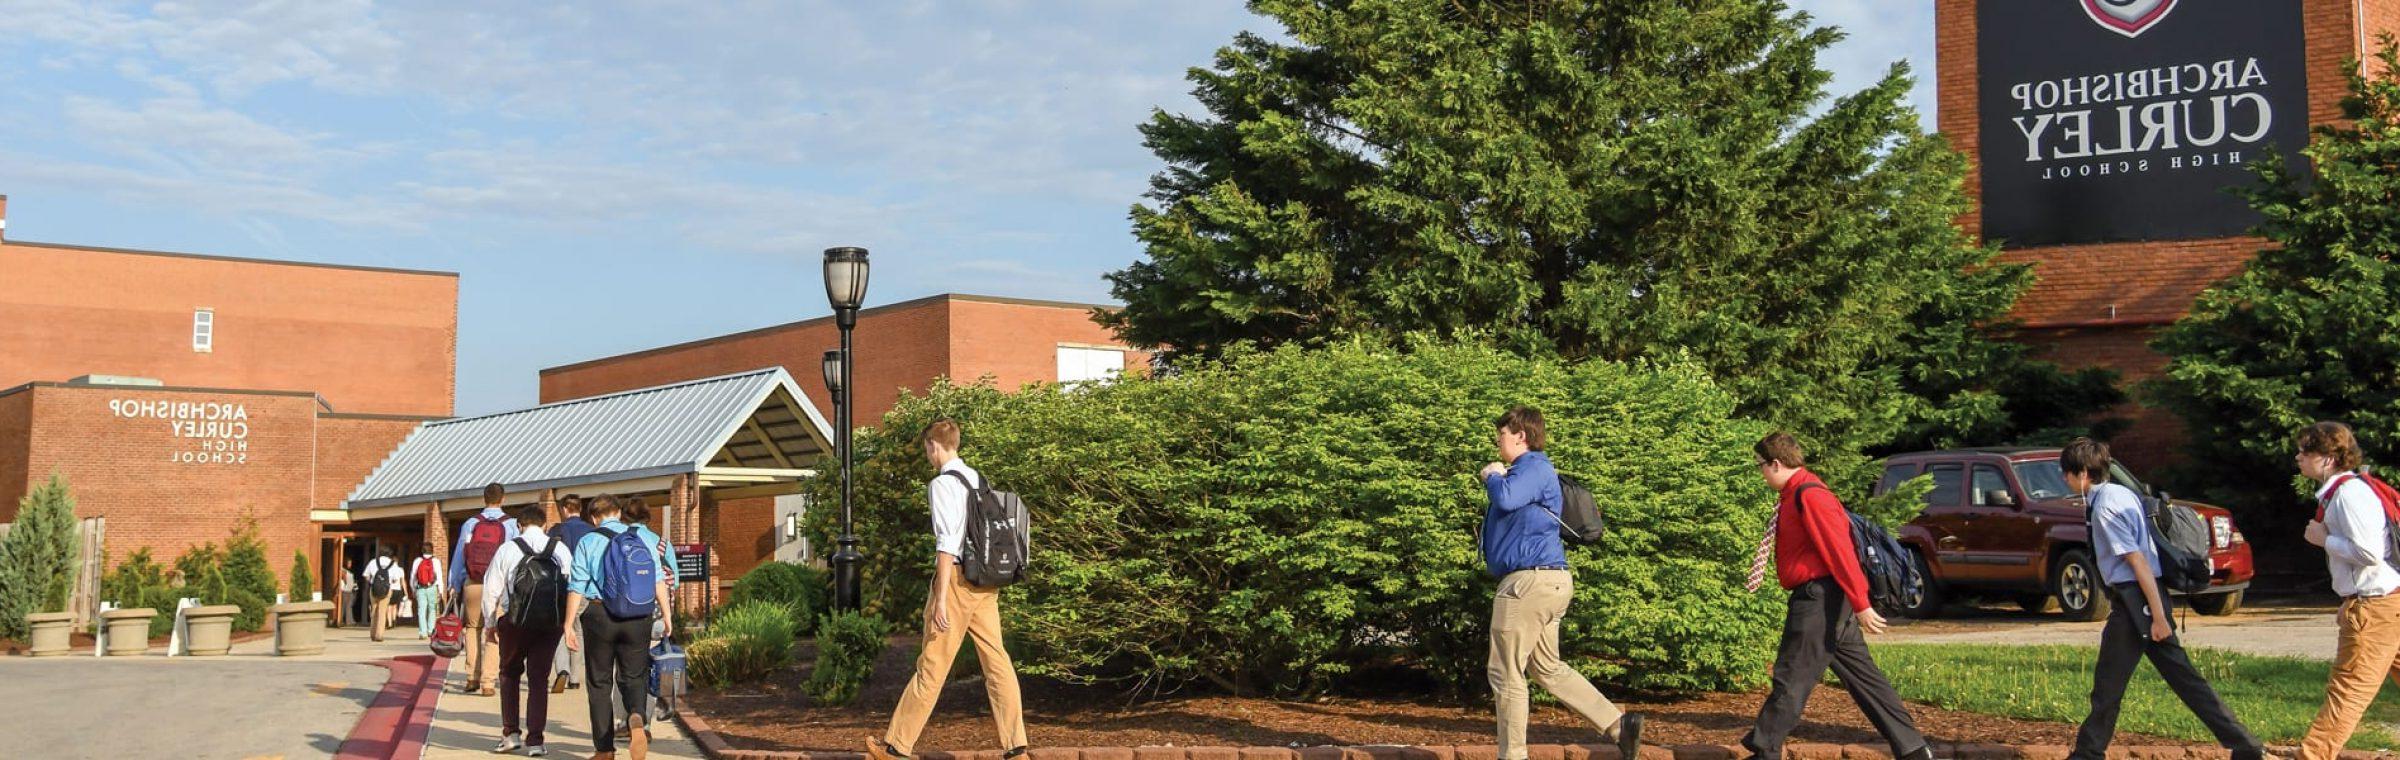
[845, 288]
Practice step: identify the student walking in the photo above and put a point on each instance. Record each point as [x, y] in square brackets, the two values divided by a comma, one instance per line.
[526, 596]
[955, 612]
[1817, 561]
[479, 539]
[346, 596]
[614, 591]
[2354, 515]
[383, 582]
[570, 531]
[425, 582]
[1521, 548]
[2140, 624]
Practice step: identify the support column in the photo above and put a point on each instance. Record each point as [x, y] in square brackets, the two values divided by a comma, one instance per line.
[437, 532]
[550, 506]
[685, 512]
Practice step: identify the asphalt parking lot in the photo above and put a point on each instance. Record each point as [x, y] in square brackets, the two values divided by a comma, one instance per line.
[2289, 626]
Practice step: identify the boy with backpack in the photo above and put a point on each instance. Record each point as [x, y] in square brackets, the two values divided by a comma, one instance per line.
[570, 531]
[2139, 625]
[1816, 559]
[383, 582]
[479, 539]
[2354, 518]
[425, 580]
[526, 596]
[957, 607]
[616, 587]
[1522, 548]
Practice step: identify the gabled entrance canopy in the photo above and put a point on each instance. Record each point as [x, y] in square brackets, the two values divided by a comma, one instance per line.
[752, 431]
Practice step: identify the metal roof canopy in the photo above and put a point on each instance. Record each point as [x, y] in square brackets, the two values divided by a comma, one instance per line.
[744, 429]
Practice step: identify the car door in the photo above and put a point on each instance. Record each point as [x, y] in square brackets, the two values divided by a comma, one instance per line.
[1948, 522]
[2006, 546]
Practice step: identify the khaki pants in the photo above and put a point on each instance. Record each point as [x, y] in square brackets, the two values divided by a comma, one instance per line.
[1525, 618]
[974, 615]
[2370, 642]
[379, 615]
[483, 659]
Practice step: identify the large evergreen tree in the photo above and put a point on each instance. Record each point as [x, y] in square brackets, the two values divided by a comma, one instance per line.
[37, 557]
[1612, 179]
[2310, 329]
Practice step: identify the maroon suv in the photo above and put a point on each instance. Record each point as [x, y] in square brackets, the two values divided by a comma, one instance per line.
[2001, 522]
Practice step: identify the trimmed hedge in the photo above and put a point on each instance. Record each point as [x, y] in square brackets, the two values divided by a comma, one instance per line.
[1274, 520]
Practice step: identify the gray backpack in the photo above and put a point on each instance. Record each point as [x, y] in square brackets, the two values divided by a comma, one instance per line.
[999, 536]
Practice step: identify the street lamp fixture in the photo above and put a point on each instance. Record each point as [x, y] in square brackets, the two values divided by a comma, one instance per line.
[845, 289]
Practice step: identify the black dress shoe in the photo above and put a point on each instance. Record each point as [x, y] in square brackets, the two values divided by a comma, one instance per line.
[1013, 754]
[1921, 753]
[1629, 736]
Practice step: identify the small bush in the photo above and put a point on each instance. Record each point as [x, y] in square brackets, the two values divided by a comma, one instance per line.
[847, 645]
[245, 562]
[746, 643]
[142, 582]
[303, 583]
[37, 558]
[803, 589]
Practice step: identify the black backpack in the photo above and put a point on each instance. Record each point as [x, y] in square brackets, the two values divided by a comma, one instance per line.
[379, 579]
[999, 536]
[537, 591]
[2181, 538]
[1891, 575]
[1579, 518]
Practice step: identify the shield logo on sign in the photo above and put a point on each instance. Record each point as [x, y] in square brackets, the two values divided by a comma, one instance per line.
[2127, 17]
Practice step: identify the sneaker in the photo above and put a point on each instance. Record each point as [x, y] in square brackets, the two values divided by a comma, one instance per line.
[640, 749]
[1629, 736]
[536, 751]
[510, 742]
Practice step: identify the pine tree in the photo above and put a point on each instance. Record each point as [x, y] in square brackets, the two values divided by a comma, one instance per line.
[1595, 179]
[304, 584]
[2310, 329]
[37, 557]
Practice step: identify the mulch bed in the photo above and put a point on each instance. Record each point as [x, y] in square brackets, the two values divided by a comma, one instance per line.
[778, 715]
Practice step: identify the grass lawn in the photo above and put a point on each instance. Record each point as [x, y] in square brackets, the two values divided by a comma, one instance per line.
[2275, 696]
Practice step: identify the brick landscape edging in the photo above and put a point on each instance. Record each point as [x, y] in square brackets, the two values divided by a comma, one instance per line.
[715, 747]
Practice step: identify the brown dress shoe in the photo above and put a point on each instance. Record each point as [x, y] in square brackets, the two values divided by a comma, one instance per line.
[558, 684]
[876, 750]
[639, 749]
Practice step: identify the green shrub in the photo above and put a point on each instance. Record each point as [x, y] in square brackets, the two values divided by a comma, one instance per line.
[141, 582]
[847, 645]
[245, 561]
[1271, 521]
[37, 557]
[803, 589]
[745, 643]
[304, 584]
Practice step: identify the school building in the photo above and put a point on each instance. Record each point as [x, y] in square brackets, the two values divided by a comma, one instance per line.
[181, 395]
[901, 347]
[2101, 137]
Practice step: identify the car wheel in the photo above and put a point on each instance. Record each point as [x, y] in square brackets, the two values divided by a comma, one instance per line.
[1923, 599]
[2218, 604]
[2075, 580]
[2036, 603]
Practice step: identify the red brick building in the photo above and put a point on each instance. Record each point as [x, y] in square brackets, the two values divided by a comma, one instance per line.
[900, 347]
[181, 394]
[2100, 304]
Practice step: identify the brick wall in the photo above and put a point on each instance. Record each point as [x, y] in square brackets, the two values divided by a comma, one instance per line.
[377, 341]
[16, 421]
[136, 473]
[744, 535]
[349, 448]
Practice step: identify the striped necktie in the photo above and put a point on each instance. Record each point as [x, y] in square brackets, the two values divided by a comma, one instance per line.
[1758, 562]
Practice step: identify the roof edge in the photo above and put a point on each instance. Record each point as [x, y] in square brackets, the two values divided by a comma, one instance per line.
[232, 259]
[915, 303]
[589, 399]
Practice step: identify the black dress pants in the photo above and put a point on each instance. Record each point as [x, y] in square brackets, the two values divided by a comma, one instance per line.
[525, 656]
[1819, 630]
[615, 652]
[2124, 641]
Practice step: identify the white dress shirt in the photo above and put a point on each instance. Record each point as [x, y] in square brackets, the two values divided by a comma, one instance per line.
[948, 500]
[437, 571]
[2355, 538]
[504, 565]
[390, 569]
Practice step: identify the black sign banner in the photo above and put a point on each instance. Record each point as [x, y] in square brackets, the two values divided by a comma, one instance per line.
[691, 562]
[2120, 120]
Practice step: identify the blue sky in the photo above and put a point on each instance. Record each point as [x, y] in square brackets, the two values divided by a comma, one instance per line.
[611, 176]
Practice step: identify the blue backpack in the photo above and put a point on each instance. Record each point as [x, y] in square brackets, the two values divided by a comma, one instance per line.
[628, 576]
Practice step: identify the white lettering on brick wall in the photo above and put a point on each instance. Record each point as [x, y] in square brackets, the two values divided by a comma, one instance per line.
[214, 432]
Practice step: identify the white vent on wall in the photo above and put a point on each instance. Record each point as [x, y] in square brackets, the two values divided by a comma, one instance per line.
[204, 330]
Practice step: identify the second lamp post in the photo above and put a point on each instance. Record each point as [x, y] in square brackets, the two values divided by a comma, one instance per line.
[846, 288]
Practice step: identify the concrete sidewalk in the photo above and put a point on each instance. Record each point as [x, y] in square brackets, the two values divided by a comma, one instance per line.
[2304, 632]
[468, 726]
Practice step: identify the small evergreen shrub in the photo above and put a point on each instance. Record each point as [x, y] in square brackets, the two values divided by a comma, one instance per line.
[37, 558]
[847, 645]
[304, 584]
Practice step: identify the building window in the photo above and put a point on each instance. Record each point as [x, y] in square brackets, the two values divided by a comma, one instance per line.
[1078, 364]
[204, 330]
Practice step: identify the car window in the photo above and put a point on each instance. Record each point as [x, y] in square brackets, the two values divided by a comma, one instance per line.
[1988, 480]
[1949, 483]
[1893, 476]
[2043, 480]
[2119, 475]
